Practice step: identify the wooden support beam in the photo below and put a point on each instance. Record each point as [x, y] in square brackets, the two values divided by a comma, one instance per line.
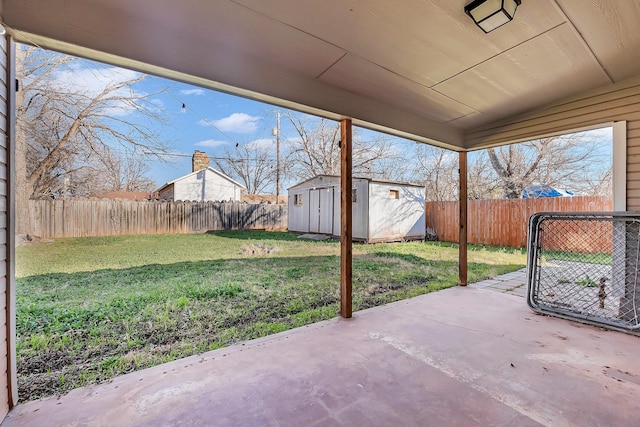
[462, 232]
[346, 227]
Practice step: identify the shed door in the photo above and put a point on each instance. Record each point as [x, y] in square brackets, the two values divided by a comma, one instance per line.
[314, 211]
[326, 211]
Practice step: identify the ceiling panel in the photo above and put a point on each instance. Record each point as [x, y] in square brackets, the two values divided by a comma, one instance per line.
[219, 24]
[471, 121]
[358, 75]
[612, 31]
[549, 67]
[424, 41]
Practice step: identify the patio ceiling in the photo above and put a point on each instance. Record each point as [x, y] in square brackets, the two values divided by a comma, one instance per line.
[417, 68]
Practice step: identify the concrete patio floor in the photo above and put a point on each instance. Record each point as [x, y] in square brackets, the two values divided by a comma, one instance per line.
[458, 357]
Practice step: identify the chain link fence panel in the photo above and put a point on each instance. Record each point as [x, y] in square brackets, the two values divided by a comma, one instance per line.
[584, 266]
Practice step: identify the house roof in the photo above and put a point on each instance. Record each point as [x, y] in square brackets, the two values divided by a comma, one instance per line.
[382, 181]
[418, 68]
[236, 183]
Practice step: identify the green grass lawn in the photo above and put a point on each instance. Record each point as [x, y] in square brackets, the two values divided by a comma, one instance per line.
[93, 308]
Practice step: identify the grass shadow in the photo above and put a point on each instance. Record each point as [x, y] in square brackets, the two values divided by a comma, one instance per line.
[257, 235]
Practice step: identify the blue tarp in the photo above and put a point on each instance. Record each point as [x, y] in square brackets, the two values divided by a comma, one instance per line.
[544, 190]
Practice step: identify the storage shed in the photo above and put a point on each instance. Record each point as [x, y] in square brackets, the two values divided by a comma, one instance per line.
[383, 211]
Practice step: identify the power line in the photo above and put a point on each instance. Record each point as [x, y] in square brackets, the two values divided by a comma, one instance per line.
[185, 106]
[151, 153]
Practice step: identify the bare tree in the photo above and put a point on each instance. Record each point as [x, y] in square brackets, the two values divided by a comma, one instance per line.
[554, 161]
[251, 164]
[481, 179]
[600, 184]
[63, 125]
[106, 172]
[316, 150]
[437, 169]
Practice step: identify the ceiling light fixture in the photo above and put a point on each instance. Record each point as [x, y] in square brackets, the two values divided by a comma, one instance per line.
[491, 14]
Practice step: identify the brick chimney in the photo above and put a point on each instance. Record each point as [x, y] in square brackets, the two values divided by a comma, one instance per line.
[199, 161]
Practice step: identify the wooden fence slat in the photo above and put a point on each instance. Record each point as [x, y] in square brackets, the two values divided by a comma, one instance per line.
[83, 218]
[504, 222]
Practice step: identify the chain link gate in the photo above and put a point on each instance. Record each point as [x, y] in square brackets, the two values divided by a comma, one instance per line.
[584, 266]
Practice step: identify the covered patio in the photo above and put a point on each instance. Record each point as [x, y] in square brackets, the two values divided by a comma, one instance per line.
[458, 357]
[419, 69]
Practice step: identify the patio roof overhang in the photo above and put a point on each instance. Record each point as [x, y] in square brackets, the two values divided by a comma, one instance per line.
[418, 69]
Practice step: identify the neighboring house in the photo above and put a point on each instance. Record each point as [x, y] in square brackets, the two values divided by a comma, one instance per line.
[544, 190]
[382, 211]
[203, 184]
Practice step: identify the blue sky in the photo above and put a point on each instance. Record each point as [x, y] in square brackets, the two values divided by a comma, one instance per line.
[210, 122]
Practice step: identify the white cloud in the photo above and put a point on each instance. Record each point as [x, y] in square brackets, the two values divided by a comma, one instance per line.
[88, 82]
[263, 144]
[211, 143]
[197, 92]
[237, 122]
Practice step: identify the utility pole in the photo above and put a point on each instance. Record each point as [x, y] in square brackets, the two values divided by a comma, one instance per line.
[276, 133]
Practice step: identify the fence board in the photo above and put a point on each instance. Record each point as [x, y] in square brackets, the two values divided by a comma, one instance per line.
[504, 222]
[84, 218]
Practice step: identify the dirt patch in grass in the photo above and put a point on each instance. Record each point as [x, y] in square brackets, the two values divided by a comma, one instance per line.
[259, 249]
[46, 362]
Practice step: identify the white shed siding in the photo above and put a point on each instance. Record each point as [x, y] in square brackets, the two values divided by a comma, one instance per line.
[337, 223]
[618, 102]
[205, 185]
[360, 211]
[396, 219]
[320, 209]
[299, 213]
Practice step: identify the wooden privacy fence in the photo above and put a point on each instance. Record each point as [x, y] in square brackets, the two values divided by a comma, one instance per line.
[504, 222]
[83, 218]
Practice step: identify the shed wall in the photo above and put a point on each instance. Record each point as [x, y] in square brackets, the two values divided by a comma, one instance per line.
[298, 213]
[359, 211]
[618, 102]
[391, 218]
[320, 209]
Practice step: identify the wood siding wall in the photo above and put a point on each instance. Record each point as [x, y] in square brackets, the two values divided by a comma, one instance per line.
[6, 247]
[503, 222]
[618, 102]
[84, 218]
